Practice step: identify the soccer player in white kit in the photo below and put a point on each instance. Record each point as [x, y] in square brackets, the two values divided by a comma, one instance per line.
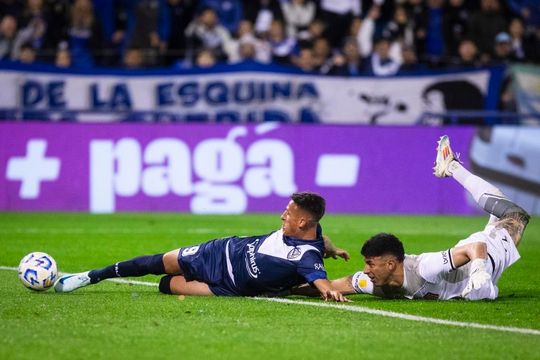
[469, 270]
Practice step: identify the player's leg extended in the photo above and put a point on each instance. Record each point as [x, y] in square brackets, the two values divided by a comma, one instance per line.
[177, 285]
[143, 265]
[513, 218]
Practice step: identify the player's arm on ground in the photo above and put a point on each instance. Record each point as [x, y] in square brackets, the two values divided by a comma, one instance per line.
[330, 250]
[328, 292]
[344, 285]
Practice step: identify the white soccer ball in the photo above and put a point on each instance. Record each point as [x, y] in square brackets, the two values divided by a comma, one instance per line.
[38, 271]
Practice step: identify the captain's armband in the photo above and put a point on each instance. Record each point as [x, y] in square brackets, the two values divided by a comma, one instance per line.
[362, 283]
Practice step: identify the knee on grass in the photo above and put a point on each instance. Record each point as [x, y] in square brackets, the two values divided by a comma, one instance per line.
[165, 285]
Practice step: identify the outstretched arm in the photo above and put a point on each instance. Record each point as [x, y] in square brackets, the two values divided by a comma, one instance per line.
[344, 285]
[328, 292]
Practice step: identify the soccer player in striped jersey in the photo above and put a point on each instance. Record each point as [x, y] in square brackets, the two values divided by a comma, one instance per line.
[238, 266]
[469, 270]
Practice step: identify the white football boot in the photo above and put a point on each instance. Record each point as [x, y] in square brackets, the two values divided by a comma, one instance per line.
[445, 158]
[70, 282]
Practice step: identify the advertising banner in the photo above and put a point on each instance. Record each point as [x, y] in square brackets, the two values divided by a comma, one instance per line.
[105, 168]
[244, 93]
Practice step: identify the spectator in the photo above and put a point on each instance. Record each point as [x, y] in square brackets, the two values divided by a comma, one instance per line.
[33, 30]
[85, 34]
[262, 13]
[305, 60]
[314, 31]
[247, 51]
[205, 59]
[57, 14]
[400, 27]
[468, 55]
[298, 15]
[133, 58]
[8, 31]
[418, 15]
[400, 31]
[63, 56]
[524, 45]
[503, 52]
[229, 12]
[206, 32]
[26, 54]
[455, 20]
[380, 63]
[148, 27]
[282, 46]
[529, 11]
[108, 15]
[434, 49]
[366, 31]
[181, 13]
[245, 36]
[350, 63]
[485, 24]
[322, 55]
[410, 61]
[338, 16]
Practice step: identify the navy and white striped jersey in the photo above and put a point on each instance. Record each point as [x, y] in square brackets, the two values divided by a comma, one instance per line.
[274, 262]
[254, 265]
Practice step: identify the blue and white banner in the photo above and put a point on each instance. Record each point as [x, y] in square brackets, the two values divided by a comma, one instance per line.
[243, 93]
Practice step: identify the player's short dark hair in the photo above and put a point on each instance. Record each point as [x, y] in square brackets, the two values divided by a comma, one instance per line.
[311, 202]
[383, 244]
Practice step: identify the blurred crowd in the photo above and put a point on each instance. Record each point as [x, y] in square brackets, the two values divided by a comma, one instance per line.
[337, 37]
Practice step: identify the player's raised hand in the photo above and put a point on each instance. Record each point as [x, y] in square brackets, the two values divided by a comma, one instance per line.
[330, 250]
[342, 254]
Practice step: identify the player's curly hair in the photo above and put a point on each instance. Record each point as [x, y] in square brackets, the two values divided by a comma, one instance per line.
[311, 202]
[383, 244]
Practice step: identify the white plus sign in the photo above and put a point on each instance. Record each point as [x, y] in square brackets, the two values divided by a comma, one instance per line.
[33, 168]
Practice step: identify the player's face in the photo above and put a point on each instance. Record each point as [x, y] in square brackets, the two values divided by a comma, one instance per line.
[379, 269]
[291, 219]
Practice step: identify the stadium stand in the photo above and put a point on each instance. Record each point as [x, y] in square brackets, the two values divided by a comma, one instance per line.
[347, 38]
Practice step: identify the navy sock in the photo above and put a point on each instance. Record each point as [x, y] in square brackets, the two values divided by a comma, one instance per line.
[139, 266]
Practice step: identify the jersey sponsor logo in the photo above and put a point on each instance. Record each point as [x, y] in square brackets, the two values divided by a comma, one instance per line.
[444, 257]
[319, 266]
[251, 264]
[294, 253]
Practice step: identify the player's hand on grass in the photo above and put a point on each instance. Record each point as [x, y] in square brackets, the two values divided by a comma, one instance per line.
[478, 277]
[334, 295]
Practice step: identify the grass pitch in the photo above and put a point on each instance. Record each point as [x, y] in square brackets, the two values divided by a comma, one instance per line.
[132, 321]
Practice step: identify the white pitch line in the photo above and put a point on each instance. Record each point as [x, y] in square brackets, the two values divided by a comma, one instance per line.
[360, 309]
[397, 315]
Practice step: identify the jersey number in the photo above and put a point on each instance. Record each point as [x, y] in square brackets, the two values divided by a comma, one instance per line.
[190, 251]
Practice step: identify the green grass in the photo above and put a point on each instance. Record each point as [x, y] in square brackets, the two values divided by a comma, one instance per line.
[131, 321]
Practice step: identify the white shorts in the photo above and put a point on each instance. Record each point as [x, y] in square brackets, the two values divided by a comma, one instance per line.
[502, 251]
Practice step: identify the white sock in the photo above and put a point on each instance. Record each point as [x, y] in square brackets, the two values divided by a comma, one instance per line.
[472, 183]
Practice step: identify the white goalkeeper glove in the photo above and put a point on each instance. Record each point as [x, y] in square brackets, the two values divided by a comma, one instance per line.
[478, 276]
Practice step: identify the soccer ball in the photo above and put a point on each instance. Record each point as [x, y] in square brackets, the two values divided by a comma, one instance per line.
[38, 271]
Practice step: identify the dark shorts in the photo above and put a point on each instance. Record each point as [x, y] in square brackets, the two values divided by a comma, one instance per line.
[207, 263]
